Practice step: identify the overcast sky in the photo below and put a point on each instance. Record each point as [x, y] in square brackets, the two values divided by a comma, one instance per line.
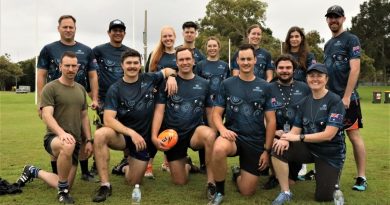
[27, 25]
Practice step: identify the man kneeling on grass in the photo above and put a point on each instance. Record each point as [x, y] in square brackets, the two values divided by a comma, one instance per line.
[128, 114]
[64, 111]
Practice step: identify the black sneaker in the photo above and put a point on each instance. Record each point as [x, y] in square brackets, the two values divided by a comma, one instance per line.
[235, 173]
[26, 176]
[117, 170]
[102, 194]
[88, 177]
[271, 183]
[194, 169]
[64, 197]
[308, 176]
[210, 191]
[360, 185]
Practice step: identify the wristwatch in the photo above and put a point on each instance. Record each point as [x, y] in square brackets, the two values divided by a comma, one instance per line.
[302, 137]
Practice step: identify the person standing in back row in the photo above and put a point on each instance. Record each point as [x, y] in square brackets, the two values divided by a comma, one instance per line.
[342, 59]
[264, 66]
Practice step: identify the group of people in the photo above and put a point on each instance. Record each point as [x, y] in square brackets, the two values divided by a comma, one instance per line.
[270, 115]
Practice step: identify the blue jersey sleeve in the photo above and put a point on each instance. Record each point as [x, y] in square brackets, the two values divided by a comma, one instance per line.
[111, 102]
[162, 94]
[234, 64]
[336, 115]
[310, 60]
[43, 59]
[220, 100]
[92, 63]
[354, 47]
[270, 63]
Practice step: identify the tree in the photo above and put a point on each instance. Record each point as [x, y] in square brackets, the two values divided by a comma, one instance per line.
[9, 72]
[372, 26]
[229, 19]
[28, 67]
[313, 39]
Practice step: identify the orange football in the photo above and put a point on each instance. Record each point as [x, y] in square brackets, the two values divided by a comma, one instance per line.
[169, 138]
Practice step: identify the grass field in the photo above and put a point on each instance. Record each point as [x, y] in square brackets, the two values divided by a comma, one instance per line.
[21, 142]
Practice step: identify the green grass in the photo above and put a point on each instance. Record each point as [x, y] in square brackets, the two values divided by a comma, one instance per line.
[21, 142]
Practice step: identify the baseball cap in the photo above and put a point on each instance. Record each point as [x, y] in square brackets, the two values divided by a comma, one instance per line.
[116, 24]
[318, 67]
[335, 9]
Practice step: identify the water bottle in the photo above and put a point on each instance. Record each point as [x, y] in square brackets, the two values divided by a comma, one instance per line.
[136, 195]
[338, 196]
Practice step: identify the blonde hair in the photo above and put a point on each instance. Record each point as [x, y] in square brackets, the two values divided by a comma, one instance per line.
[159, 50]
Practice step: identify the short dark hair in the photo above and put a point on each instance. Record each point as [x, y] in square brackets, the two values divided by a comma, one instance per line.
[182, 48]
[190, 24]
[130, 53]
[66, 17]
[247, 46]
[69, 54]
[286, 57]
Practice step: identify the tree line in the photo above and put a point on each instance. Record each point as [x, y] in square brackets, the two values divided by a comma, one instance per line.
[229, 19]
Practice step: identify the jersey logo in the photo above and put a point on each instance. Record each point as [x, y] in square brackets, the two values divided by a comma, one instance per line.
[80, 52]
[197, 87]
[338, 43]
[257, 89]
[297, 92]
[336, 117]
[324, 107]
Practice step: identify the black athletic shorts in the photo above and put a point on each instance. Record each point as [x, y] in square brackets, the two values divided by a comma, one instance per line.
[141, 155]
[326, 175]
[179, 151]
[249, 156]
[353, 116]
[47, 144]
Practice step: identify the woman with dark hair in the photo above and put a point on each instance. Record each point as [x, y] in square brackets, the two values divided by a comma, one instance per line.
[296, 45]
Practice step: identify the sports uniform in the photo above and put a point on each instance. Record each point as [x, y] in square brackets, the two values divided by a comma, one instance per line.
[299, 73]
[134, 104]
[167, 60]
[245, 104]
[184, 112]
[50, 57]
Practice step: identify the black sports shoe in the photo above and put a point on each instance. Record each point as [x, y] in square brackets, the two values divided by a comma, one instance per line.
[210, 191]
[26, 176]
[117, 169]
[102, 194]
[308, 176]
[64, 197]
[194, 169]
[360, 185]
[271, 183]
[235, 173]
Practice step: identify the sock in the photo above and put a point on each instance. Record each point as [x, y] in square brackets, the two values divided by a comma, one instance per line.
[107, 184]
[288, 192]
[54, 166]
[34, 171]
[220, 187]
[202, 156]
[62, 185]
[84, 166]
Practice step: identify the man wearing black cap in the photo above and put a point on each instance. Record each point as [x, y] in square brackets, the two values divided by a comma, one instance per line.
[108, 57]
[342, 59]
[48, 70]
[316, 137]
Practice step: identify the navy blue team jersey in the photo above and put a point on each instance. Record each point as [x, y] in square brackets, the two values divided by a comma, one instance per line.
[287, 99]
[338, 52]
[213, 71]
[110, 70]
[245, 103]
[263, 63]
[167, 60]
[313, 116]
[134, 102]
[184, 110]
[50, 57]
[198, 55]
[299, 72]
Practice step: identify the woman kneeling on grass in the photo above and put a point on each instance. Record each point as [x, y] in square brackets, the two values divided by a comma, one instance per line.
[316, 137]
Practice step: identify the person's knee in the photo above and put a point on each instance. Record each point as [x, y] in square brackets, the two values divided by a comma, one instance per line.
[67, 149]
[100, 137]
[179, 181]
[247, 191]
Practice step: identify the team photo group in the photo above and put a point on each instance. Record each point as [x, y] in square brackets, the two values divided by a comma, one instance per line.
[276, 114]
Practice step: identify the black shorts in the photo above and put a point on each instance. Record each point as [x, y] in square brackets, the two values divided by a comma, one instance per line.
[249, 156]
[47, 144]
[353, 116]
[179, 151]
[326, 175]
[141, 155]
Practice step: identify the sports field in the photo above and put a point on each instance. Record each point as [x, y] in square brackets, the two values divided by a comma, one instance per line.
[21, 142]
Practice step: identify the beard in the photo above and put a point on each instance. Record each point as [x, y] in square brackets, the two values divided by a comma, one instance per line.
[285, 81]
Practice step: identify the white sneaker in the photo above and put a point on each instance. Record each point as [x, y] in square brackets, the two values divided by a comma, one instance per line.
[303, 170]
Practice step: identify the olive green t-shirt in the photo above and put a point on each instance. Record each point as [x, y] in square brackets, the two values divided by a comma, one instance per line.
[68, 103]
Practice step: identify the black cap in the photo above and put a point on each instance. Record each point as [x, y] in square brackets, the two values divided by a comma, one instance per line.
[116, 24]
[335, 9]
[318, 67]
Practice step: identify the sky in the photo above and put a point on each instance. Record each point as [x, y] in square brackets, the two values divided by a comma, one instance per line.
[27, 25]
